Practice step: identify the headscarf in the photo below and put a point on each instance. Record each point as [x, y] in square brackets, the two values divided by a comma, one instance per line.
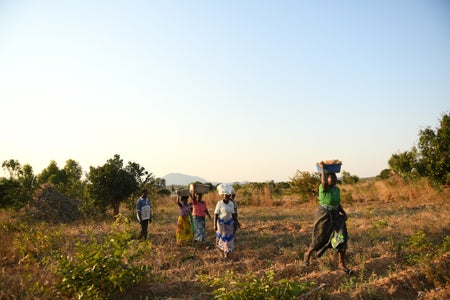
[224, 189]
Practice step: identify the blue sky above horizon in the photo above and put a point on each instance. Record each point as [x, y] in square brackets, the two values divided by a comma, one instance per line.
[228, 91]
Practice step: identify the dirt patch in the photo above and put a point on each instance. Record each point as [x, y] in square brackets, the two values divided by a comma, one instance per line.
[415, 282]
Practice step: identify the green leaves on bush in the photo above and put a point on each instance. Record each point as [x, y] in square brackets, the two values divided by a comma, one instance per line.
[419, 247]
[348, 178]
[104, 269]
[305, 184]
[249, 286]
[36, 245]
[429, 158]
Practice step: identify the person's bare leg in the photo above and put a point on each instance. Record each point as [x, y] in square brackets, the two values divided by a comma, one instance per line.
[342, 262]
[307, 256]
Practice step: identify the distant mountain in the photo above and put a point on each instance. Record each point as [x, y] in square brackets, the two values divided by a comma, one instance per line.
[181, 179]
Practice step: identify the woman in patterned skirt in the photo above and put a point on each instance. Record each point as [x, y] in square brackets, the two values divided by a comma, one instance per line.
[225, 220]
[184, 228]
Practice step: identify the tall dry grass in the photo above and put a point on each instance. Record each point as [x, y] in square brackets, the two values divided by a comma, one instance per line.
[386, 219]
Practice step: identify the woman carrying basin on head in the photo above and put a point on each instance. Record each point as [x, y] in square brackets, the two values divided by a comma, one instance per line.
[330, 230]
[199, 212]
[184, 233]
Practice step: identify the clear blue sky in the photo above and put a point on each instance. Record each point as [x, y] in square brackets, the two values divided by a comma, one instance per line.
[225, 90]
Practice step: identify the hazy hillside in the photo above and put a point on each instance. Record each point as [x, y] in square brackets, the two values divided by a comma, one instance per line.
[181, 179]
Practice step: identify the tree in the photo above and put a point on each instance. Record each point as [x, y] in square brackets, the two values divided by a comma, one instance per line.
[405, 164]
[27, 177]
[73, 186]
[145, 179]
[10, 193]
[112, 183]
[434, 152]
[160, 182]
[52, 174]
[431, 157]
[16, 190]
[13, 167]
[139, 173]
[27, 181]
[67, 180]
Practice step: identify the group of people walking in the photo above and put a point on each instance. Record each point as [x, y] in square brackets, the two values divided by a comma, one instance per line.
[191, 222]
[329, 229]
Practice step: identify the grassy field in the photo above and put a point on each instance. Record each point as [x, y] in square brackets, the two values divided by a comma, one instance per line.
[399, 247]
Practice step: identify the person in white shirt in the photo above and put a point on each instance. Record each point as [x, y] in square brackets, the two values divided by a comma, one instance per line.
[143, 213]
[225, 220]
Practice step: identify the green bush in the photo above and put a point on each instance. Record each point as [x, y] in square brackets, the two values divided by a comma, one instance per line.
[348, 178]
[445, 245]
[419, 247]
[104, 269]
[37, 244]
[251, 287]
[429, 158]
[384, 174]
[305, 184]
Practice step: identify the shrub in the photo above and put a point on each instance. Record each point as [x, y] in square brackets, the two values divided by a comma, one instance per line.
[348, 178]
[445, 245]
[251, 287]
[164, 192]
[384, 174]
[105, 269]
[37, 244]
[419, 247]
[305, 183]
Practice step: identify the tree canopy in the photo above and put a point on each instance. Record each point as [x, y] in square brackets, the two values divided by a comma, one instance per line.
[430, 158]
[113, 183]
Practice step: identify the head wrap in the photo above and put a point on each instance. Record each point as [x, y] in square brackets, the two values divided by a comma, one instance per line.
[224, 189]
